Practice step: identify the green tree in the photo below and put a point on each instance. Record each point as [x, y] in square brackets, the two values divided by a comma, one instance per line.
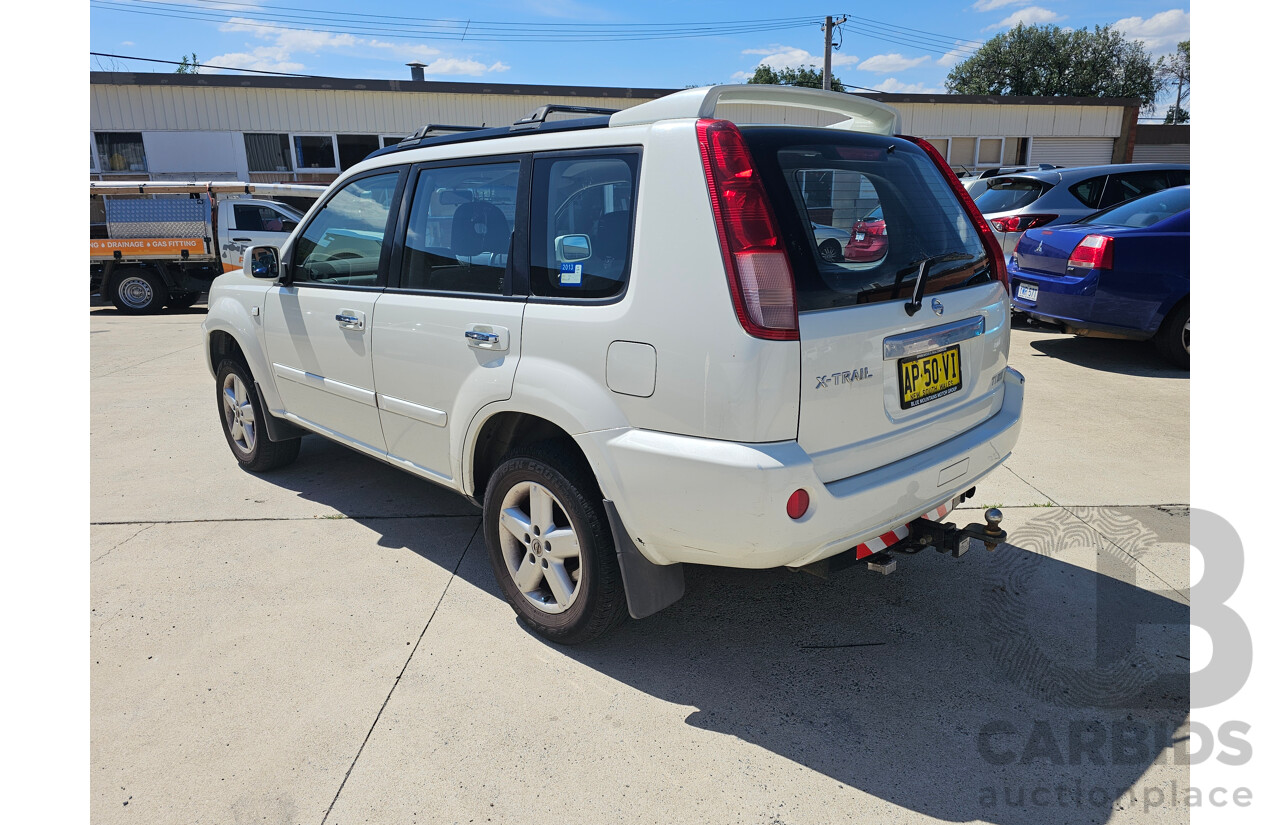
[1051, 61]
[191, 66]
[809, 76]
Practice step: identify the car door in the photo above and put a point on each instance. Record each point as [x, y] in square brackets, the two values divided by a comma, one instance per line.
[318, 325]
[246, 223]
[447, 332]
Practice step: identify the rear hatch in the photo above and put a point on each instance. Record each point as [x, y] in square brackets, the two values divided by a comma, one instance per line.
[880, 383]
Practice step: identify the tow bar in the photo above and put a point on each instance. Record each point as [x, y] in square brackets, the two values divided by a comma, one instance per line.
[942, 537]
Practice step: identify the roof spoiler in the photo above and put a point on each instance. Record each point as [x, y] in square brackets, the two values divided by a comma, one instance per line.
[861, 114]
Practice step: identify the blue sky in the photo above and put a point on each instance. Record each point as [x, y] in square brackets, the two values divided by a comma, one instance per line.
[892, 47]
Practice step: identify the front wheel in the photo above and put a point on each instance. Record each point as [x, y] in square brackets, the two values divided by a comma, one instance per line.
[241, 412]
[139, 292]
[550, 545]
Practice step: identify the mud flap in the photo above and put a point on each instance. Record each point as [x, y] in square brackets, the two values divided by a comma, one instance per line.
[650, 587]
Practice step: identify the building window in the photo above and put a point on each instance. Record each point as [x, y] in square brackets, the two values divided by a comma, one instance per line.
[121, 152]
[391, 140]
[268, 153]
[990, 150]
[314, 152]
[354, 148]
[1015, 151]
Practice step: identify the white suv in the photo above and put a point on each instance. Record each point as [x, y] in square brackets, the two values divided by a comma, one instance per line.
[617, 334]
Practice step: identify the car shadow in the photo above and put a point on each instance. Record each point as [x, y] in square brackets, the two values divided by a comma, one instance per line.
[1005, 686]
[1136, 358]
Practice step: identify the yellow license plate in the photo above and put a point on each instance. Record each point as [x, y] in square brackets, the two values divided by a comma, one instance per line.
[925, 377]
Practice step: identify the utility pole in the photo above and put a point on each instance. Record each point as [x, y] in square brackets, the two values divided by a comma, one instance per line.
[826, 49]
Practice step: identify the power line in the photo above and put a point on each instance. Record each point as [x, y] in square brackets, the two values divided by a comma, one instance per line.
[202, 65]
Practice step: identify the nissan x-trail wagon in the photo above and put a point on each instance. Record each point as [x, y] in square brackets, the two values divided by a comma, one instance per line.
[617, 335]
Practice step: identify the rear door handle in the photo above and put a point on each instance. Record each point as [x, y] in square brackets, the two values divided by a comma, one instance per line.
[482, 337]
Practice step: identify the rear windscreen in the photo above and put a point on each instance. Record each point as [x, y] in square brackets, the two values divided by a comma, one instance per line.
[862, 214]
[1004, 194]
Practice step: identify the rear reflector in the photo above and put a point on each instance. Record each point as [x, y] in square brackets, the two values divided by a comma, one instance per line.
[1094, 252]
[994, 253]
[798, 504]
[755, 261]
[1021, 223]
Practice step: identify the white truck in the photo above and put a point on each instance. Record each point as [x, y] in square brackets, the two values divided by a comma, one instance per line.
[152, 252]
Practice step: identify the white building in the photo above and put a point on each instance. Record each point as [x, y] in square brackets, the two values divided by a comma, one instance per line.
[166, 126]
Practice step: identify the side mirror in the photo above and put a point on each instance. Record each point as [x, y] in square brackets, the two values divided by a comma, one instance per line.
[570, 248]
[262, 262]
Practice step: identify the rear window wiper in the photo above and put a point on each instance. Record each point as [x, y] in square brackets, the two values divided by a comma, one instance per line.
[922, 276]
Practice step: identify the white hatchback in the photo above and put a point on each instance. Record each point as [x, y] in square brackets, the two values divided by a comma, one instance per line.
[618, 334]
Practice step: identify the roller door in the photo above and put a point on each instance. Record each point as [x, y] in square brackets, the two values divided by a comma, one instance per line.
[1072, 151]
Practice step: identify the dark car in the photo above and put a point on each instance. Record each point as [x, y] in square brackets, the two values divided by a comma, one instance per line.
[1123, 272]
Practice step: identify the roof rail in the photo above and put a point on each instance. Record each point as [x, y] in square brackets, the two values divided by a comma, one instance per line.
[442, 127]
[538, 116]
[862, 114]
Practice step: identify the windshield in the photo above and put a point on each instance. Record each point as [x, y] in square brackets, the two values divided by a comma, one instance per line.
[893, 208]
[1006, 194]
[1146, 210]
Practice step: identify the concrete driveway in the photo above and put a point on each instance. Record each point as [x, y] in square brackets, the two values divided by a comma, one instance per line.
[325, 644]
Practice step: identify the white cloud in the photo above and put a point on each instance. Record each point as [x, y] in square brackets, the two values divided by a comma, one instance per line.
[1161, 32]
[262, 59]
[956, 55]
[885, 63]
[895, 86]
[286, 42]
[782, 57]
[127, 43]
[992, 5]
[1030, 16]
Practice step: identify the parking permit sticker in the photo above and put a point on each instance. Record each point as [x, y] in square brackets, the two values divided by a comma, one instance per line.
[570, 274]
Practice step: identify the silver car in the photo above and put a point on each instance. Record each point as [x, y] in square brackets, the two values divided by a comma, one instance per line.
[1012, 204]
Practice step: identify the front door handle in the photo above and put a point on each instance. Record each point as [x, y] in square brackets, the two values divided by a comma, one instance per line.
[482, 337]
[488, 338]
[349, 319]
[246, 240]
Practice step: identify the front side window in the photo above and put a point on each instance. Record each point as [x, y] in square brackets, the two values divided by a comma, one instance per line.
[460, 225]
[343, 242]
[257, 218]
[581, 225]
[121, 152]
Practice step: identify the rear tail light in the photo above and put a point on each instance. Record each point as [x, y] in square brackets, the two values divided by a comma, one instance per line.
[1094, 252]
[994, 253]
[755, 260]
[1021, 223]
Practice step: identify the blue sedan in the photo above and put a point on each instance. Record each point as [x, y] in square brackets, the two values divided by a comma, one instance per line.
[1124, 272]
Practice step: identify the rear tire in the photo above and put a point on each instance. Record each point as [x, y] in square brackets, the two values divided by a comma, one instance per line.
[241, 413]
[138, 292]
[551, 547]
[1174, 338]
[829, 250]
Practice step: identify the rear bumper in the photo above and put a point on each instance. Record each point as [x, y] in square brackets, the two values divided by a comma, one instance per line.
[684, 499]
[1075, 304]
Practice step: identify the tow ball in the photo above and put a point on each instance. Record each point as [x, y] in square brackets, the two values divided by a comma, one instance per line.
[949, 538]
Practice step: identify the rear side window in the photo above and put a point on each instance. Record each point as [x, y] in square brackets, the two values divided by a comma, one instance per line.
[460, 227]
[582, 218]
[885, 210]
[1005, 194]
[1130, 185]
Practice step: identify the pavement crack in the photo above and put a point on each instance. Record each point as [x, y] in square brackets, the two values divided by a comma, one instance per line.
[124, 541]
[148, 361]
[1136, 560]
[400, 675]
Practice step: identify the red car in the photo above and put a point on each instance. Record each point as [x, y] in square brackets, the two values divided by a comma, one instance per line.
[869, 239]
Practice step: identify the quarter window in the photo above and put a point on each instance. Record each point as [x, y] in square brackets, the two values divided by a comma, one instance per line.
[460, 225]
[1121, 188]
[343, 242]
[581, 225]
